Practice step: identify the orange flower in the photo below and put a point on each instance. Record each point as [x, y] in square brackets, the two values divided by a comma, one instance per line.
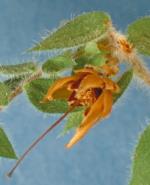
[87, 88]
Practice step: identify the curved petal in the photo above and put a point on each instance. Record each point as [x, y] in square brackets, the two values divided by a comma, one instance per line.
[62, 93]
[86, 71]
[91, 81]
[100, 109]
[58, 85]
[95, 81]
[110, 69]
[111, 85]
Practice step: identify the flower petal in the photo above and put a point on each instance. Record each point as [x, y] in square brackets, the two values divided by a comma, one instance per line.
[59, 85]
[91, 81]
[100, 109]
[110, 69]
[62, 93]
[111, 85]
[95, 81]
[86, 70]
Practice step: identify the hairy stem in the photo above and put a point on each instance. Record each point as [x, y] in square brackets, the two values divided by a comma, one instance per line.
[37, 141]
[19, 89]
[124, 51]
[140, 68]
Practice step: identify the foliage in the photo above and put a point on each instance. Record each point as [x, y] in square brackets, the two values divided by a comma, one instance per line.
[123, 83]
[141, 160]
[6, 149]
[79, 30]
[91, 43]
[139, 35]
[59, 63]
[18, 68]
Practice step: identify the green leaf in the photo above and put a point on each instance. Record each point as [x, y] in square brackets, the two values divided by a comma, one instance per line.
[81, 29]
[89, 55]
[37, 89]
[123, 83]
[7, 88]
[15, 82]
[94, 60]
[58, 63]
[6, 149]
[91, 48]
[4, 94]
[18, 68]
[141, 160]
[139, 35]
[74, 120]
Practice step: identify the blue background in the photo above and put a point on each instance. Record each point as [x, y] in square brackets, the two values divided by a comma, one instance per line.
[104, 156]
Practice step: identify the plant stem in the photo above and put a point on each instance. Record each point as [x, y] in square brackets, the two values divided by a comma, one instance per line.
[124, 51]
[140, 68]
[9, 174]
[19, 89]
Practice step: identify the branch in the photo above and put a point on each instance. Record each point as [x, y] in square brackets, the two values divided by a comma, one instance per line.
[19, 89]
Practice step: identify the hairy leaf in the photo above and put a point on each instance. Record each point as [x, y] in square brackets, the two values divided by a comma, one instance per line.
[6, 149]
[4, 94]
[89, 55]
[14, 82]
[8, 87]
[123, 83]
[17, 69]
[37, 89]
[81, 29]
[141, 160]
[91, 48]
[58, 63]
[94, 60]
[73, 121]
[139, 35]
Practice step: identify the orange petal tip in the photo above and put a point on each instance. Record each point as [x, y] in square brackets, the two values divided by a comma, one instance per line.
[68, 146]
